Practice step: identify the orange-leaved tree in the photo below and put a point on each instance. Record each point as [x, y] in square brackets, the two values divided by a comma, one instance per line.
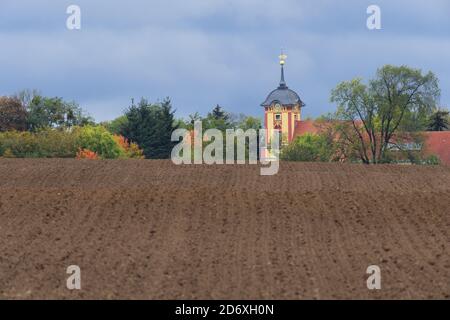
[130, 149]
[87, 154]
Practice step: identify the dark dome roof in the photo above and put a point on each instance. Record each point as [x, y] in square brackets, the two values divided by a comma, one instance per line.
[284, 96]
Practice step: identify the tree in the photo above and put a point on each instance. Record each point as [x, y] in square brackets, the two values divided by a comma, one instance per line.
[26, 96]
[51, 112]
[55, 112]
[249, 122]
[217, 119]
[194, 117]
[13, 114]
[439, 121]
[151, 127]
[308, 147]
[218, 114]
[99, 140]
[116, 126]
[376, 112]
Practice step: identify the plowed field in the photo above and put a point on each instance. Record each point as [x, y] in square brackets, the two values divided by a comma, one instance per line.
[153, 230]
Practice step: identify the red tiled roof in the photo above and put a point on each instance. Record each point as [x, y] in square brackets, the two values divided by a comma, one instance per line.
[303, 127]
[438, 143]
[314, 127]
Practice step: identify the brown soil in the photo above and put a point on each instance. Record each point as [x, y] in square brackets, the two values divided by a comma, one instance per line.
[153, 230]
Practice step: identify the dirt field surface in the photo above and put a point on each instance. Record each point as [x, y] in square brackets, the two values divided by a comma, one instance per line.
[152, 230]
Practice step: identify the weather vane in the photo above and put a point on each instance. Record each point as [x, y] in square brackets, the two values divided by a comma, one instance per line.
[282, 57]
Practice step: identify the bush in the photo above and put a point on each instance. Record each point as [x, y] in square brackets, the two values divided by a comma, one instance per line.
[432, 160]
[56, 143]
[308, 147]
[8, 154]
[87, 154]
[130, 149]
[100, 141]
[19, 144]
[46, 143]
[66, 143]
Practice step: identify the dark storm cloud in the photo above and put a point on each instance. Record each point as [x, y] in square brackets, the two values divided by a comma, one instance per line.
[205, 52]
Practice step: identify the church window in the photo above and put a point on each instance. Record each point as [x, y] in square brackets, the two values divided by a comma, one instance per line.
[278, 116]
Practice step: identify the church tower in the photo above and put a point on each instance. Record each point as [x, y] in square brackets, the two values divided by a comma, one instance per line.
[282, 109]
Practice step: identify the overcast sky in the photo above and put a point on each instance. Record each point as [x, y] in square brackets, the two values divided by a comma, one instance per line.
[207, 52]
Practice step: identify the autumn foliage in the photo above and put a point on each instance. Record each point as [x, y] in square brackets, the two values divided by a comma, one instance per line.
[130, 149]
[87, 154]
[88, 142]
[13, 115]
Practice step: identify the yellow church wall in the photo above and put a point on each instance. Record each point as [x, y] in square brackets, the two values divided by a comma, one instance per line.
[269, 125]
[292, 124]
[285, 124]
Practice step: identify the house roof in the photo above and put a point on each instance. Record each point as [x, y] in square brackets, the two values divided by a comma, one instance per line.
[284, 96]
[438, 143]
[303, 127]
[314, 127]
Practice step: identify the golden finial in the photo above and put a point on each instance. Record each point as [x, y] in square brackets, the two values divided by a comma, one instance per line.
[282, 57]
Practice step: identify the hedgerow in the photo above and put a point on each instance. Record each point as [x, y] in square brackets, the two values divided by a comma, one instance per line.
[66, 143]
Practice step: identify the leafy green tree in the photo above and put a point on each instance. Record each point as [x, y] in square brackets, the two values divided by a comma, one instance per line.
[13, 114]
[439, 121]
[99, 140]
[250, 123]
[188, 124]
[193, 118]
[151, 127]
[415, 120]
[51, 112]
[377, 111]
[245, 123]
[117, 125]
[55, 112]
[235, 120]
[26, 96]
[308, 147]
